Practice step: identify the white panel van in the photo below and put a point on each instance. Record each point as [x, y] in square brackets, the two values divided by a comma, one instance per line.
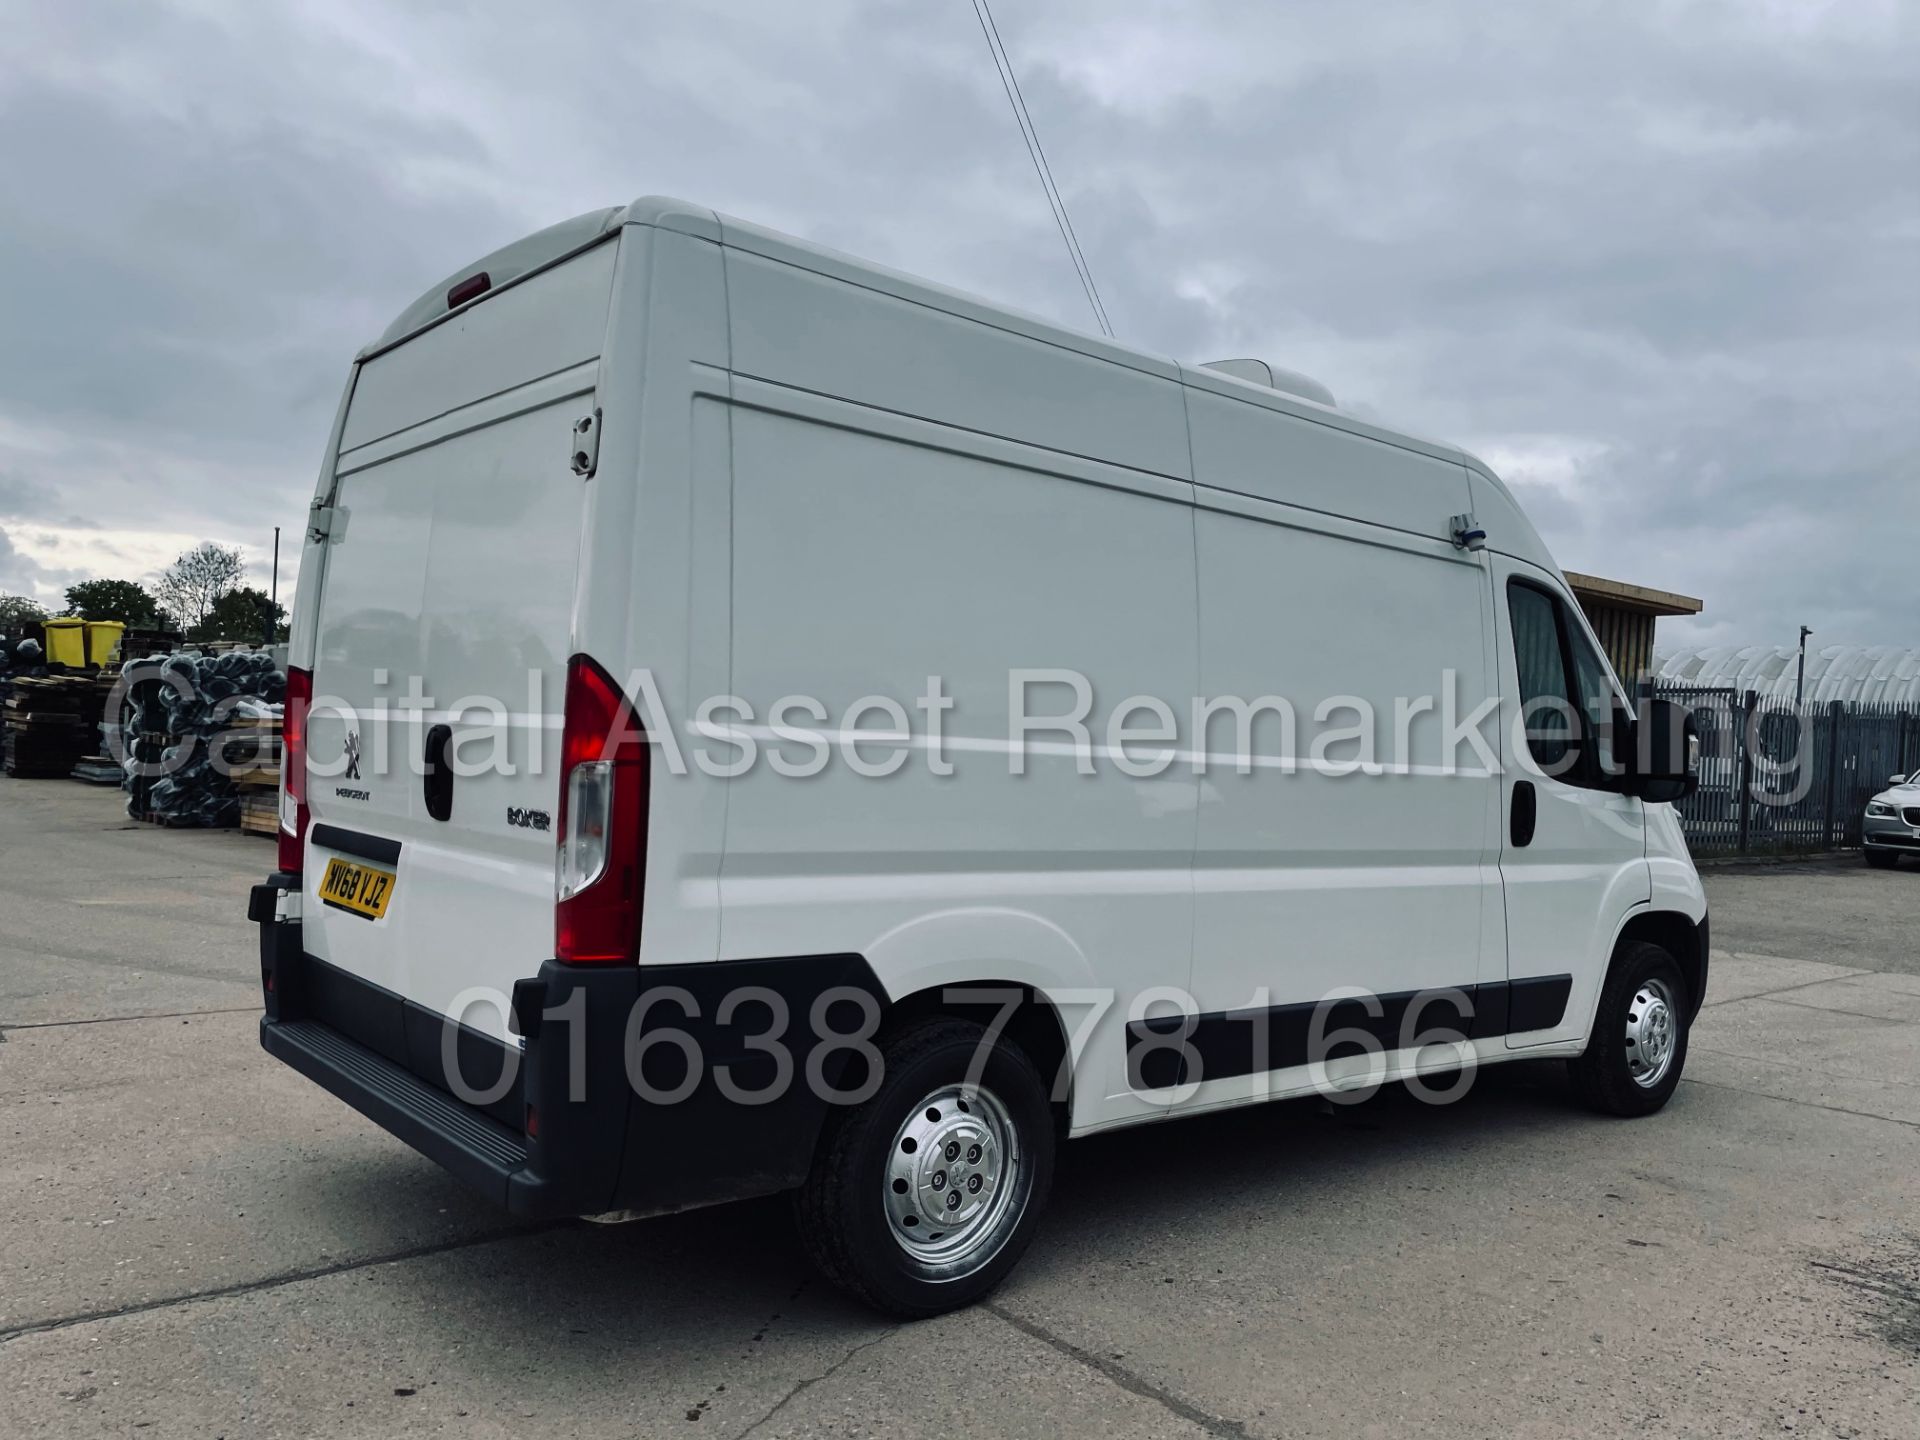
[760, 722]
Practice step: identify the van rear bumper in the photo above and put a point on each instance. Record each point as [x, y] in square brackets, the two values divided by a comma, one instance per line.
[461, 1098]
[555, 1125]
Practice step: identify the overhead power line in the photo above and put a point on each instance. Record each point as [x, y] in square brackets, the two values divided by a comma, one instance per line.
[1062, 221]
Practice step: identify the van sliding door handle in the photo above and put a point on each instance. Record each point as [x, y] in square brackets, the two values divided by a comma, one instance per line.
[436, 776]
[1526, 810]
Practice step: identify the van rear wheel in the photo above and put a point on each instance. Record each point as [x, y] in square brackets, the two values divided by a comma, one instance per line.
[1638, 1045]
[922, 1198]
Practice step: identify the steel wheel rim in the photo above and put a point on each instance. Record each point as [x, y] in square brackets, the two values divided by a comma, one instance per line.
[952, 1176]
[1653, 1033]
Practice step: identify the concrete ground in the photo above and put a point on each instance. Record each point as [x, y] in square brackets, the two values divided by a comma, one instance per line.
[196, 1242]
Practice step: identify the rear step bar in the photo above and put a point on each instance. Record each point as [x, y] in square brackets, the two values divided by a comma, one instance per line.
[386, 1056]
[479, 1150]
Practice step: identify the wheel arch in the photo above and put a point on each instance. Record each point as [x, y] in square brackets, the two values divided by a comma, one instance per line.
[924, 962]
[1034, 1024]
[1681, 937]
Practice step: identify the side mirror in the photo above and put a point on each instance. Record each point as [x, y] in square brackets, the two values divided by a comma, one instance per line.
[1665, 764]
[1896, 780]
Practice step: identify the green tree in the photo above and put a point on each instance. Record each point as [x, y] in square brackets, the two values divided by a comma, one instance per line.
[240, 615]
[191, 586]
[19, 610]
[123, 600]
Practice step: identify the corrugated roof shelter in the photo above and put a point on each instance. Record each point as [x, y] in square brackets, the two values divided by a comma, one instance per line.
[1851, 674]
[1622, 617]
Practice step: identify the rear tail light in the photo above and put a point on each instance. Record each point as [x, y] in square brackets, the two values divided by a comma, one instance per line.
[293, 770]
[601, 861]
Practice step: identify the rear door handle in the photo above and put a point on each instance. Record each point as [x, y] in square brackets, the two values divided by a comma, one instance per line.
[436, 777]
[1526, 811]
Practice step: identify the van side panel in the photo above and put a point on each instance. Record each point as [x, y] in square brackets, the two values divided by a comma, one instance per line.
[1355, 867]
[1249, 446]
[873, 551]
[913, 359]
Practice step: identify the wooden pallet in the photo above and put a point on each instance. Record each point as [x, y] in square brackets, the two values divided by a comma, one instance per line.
[40, 752]
[81, 696]
[251, 743]
[51, 723]
[54, 691]
[258, 779]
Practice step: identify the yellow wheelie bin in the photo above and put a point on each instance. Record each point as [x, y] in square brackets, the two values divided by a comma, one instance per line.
[103, 640]
[66, 641]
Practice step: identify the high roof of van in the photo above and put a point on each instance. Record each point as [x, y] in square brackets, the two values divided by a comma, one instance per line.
[472, 283]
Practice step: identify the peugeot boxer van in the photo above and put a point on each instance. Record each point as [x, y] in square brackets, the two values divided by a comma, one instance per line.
[760, 722]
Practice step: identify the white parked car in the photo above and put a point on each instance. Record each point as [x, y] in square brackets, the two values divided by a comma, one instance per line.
[1892, 823]
[761, 722]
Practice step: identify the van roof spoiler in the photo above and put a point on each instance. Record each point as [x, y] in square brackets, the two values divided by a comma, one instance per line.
[504, 266]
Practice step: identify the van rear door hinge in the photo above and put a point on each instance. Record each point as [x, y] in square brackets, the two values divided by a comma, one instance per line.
[326, 522]
[586, 445]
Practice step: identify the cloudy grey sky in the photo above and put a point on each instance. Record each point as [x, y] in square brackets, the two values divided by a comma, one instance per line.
[1659, 263]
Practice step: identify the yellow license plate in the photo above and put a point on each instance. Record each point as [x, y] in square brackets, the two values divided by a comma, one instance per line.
[358, 889]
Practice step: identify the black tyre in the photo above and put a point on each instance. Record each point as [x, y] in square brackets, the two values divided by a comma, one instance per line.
[1882, 859]
[924, 1197]
[1638, 1045]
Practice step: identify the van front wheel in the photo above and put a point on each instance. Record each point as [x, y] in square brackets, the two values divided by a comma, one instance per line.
[1638, 1044]
[922, 1198]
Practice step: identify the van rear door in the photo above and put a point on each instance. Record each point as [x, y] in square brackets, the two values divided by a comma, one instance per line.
[445, 622]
